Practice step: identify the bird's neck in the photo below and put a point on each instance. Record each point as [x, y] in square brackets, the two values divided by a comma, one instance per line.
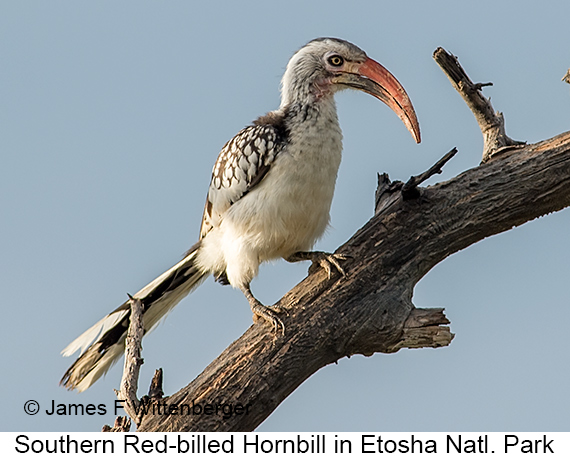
[313, 131]
[295, 92]
[314, 116]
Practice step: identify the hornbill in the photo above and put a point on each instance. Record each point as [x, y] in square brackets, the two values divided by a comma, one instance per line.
[269, 196]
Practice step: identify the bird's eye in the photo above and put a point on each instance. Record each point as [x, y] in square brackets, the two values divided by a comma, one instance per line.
[336, 60]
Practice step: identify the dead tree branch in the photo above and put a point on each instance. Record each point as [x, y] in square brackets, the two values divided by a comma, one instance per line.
[133, 362]
[492, 124]
[371, 310]
[410, 189]
[129, 383]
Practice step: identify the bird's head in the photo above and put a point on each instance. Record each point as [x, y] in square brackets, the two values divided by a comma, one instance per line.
[326, 65]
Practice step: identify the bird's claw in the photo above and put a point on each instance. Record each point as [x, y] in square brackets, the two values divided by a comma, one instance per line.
[327, 261]
[324, 259]
[269, 315]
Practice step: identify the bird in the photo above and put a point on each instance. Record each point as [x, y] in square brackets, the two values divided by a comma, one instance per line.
[269, 197]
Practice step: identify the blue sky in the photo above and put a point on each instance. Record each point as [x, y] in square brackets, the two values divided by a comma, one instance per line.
[112, 114]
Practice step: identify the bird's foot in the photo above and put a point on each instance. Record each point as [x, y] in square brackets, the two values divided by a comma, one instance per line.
[325, 259]
[264, 312]
[261, 311]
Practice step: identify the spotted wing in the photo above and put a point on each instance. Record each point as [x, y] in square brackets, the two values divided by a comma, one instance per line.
[241, 165]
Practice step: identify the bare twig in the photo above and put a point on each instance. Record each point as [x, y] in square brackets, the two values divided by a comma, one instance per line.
[492, 124]
[410, 189]
[388, 192]
[133, 362]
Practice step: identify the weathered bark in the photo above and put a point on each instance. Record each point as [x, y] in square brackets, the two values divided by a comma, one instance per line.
[370, 309]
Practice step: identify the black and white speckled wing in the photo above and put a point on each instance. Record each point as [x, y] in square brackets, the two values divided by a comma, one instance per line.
[241, 165]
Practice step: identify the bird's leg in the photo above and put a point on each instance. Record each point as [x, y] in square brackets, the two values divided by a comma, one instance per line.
[324, 259]
[260, 310]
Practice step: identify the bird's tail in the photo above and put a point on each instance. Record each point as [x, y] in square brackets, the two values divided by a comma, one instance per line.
[105, 341]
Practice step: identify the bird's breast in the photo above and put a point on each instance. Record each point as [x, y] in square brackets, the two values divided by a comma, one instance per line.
[289, 210]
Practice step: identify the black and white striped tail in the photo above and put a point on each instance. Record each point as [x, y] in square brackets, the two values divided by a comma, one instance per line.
[105, 341]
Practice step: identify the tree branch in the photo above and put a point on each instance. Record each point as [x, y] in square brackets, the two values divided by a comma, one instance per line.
[370, 310]
[492, 124]
[410, 189]
[133, 362]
